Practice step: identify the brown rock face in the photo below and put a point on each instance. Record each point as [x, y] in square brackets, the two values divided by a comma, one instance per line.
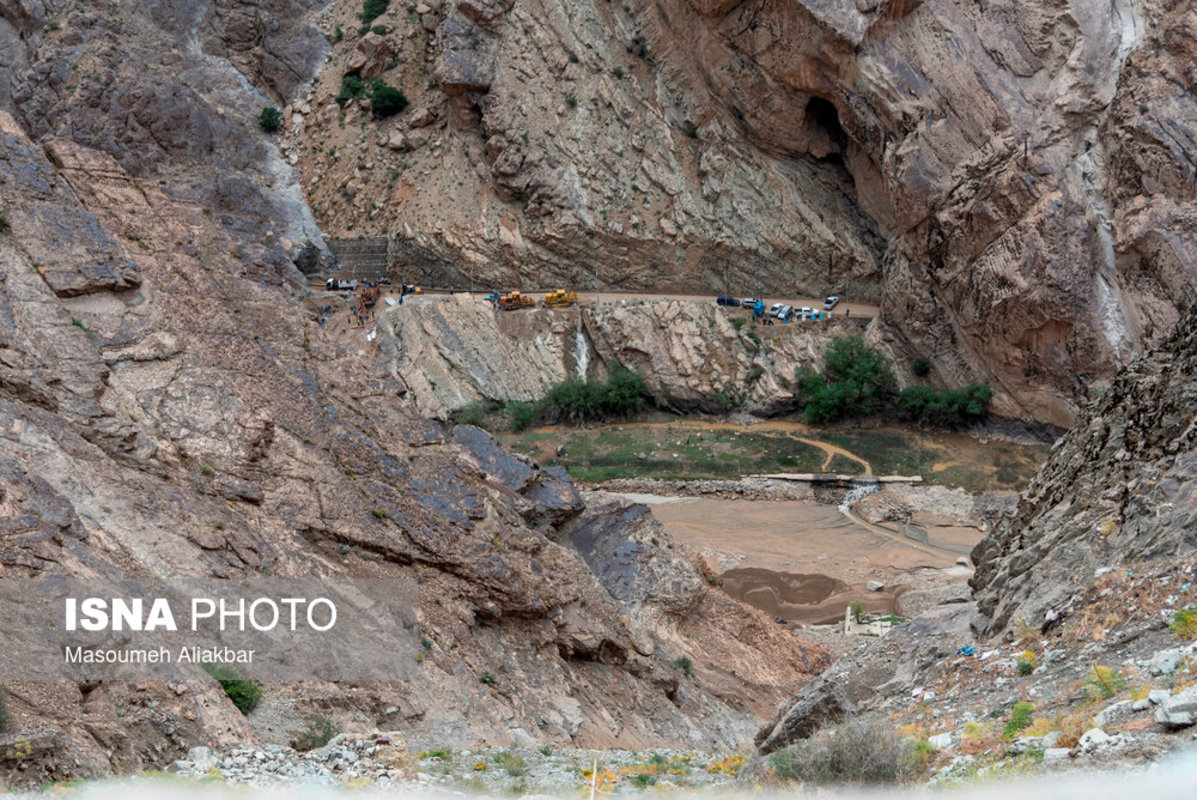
[1014, 180]
[169, 407]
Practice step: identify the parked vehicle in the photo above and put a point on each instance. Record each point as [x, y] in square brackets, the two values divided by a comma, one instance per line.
[758, 308]
[492, 297]
[784, 313]
[560, 299]
[773, 309]
[748, 302]
[339, 284]
[727, 301]
[830, 302]
[807, 312]
[514, 300]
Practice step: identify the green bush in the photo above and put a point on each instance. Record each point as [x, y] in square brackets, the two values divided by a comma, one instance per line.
[271, 119]
[576, 400]
[351, 89]
[522, 415]
[3, 219]
[1021, 717]
[856, 382]
[921, 367]
[3, 708]
[477, 413]
[386, 101]
[372, 9]
[318, 733]
[244, 694]
[1102, 683]
[853, 753]
[1184, 624]
[685, 665]
[947, 408]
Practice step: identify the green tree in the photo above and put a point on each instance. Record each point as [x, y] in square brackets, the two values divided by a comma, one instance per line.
[271, 119]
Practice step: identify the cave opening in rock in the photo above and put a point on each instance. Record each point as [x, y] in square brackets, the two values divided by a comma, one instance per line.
[823, 117]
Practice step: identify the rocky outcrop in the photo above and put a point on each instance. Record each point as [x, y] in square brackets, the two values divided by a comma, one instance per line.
[1013, 180]
[452, 351]
[1117, 491]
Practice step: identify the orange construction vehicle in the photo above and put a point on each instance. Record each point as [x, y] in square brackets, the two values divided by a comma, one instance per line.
[514, 300]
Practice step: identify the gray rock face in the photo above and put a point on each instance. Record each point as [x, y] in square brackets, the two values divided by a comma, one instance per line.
[1117, 488]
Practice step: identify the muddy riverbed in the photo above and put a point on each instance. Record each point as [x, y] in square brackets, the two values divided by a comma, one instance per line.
[804, 561]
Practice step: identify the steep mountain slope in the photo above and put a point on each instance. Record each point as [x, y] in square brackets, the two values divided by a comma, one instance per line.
[170, 406]
[1117, 491]
[1084, 577]
[1014, 180]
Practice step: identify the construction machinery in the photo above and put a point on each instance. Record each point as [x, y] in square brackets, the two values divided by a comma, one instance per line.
[514, 300]
[560, 299]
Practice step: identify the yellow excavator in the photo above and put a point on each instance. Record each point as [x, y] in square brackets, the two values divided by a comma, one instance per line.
[514, 300]
[560, 299]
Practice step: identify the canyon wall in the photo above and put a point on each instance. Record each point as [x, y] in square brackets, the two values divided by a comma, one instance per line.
[1013, 180]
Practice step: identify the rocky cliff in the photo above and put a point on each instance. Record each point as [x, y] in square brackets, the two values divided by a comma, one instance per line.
[1116, 492]
[452, 351]
[169, 407]
[1014, 180]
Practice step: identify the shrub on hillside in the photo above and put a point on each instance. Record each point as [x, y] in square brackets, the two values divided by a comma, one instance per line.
[245, 695]
[271, 119]
[948, 408]
[386, 101]
[853, 753]
[3, 709]
[372, 9]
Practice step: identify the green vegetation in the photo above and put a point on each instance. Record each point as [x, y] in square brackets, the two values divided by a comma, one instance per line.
[386, 101]
[856, 382]
[319, 732]
[1025, 663]
[352, 88]
[647, 451]
[946, 408]
[244, 694]
[685, 665]
[921, 367]
[522, 415]
[271, 119]
[1184, 624]
[857, 753]
[372, 10]
[487, 678]
[1021, 717]
[857, 609]
[3, 219]
[512, 763]
[575, 400]
[1102, 683]
[3, 708]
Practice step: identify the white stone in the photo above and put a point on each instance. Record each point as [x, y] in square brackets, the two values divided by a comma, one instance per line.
[1052, 754]
[1093, 739]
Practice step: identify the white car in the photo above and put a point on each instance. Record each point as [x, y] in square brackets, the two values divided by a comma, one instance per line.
[830, 302]
[784, 312]
[773, 309]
